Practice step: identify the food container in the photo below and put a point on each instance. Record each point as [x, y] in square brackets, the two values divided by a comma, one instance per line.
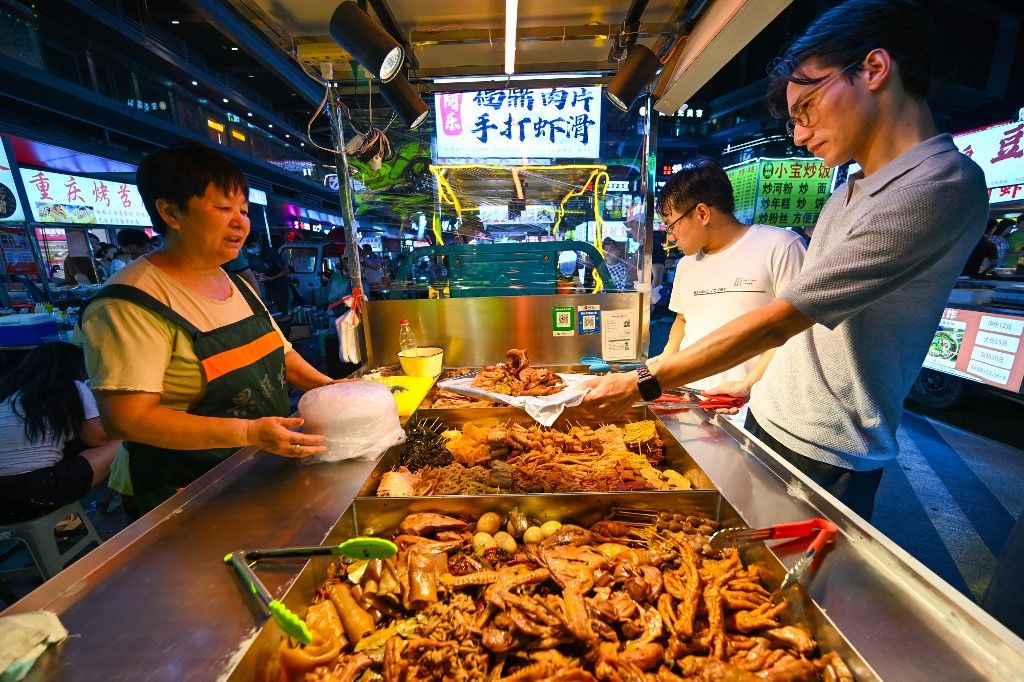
[27, 330]
[422, 362]
[408, 391]
[676, 457]
[380, 516]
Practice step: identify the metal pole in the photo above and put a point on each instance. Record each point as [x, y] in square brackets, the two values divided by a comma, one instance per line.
[647, 188]
[345, 195]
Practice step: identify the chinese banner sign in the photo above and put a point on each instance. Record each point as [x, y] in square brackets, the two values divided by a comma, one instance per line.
[782, 192]
[980, 346]
[999, 150]
[59, 198]
[10, 209]
[17, 251]
[515, 124]
[744, 190]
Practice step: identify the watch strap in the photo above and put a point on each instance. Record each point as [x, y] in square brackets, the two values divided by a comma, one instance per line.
[648, 384]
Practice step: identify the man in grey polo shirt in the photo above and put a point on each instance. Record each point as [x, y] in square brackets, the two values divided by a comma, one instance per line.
[855, 325]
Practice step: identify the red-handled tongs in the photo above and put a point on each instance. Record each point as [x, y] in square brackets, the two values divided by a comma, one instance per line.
[827, 531]
[673, 402]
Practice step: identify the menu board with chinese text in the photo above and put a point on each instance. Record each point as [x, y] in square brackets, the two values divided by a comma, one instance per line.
[77, 200]
[981, 346]
[519, 123]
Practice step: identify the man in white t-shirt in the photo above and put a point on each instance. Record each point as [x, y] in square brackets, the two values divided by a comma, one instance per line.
[729, 268]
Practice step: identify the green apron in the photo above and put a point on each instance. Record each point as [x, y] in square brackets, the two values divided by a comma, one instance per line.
[242, 366]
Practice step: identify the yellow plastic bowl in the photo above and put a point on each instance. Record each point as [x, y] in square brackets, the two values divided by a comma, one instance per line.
[422, 362]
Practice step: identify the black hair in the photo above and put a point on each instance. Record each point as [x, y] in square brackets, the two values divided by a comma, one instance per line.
[847, 33]
[701, 181]
[182, 171]
[43, 393]
[132, 236]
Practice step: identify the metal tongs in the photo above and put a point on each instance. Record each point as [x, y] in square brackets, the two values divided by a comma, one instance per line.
[678, 400]
[293, 626]
[827, 531]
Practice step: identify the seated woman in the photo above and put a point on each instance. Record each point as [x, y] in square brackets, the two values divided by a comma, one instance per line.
[187, 364]
[44, 405]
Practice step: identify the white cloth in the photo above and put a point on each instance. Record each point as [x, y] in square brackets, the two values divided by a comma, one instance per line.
[19, 455]
[711, 290]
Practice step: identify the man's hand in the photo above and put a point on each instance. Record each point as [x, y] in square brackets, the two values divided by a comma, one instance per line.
[611, 395]
[274, 435]
[738, 389]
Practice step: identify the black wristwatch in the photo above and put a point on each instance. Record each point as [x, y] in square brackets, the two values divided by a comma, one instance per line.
[650, 387]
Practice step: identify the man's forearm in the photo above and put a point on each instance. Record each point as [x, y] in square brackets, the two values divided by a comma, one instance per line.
[675, 335]
[743, 338]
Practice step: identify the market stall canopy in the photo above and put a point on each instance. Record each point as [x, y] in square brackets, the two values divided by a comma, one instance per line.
[466, 37]
[473, 185]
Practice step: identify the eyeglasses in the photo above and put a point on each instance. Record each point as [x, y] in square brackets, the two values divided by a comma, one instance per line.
[668, 227]
[801, 108]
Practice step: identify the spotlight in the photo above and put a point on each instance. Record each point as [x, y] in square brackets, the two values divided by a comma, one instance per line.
[406, 102]
[367, 41]
[633, 76]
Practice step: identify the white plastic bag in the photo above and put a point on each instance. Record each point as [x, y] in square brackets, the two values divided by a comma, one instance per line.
[347, 327]
[359, 418]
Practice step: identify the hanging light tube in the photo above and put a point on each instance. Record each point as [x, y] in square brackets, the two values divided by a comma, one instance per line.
[511, 18]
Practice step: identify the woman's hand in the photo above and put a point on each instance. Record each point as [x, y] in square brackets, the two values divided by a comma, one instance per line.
[611, 395]
[274, 435]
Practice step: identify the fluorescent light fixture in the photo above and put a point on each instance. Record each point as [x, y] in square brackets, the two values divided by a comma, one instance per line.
[249, 114]
[517, 77]
[287, 135]
[195, 82]
[511, 18]
[270, 125]
[234, 49]
[175, 22]
[225, 100]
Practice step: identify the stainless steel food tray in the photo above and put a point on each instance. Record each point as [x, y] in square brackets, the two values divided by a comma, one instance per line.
[379, 516]
[676, 456]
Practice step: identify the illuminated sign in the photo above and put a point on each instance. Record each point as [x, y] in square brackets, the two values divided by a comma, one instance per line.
[257, 196]
[519, 123]
[782, 192]
[78, 200]
[238, 135]
[532, 214]
[999, 150]
[981, 346]
[219, 127]
[10, 207]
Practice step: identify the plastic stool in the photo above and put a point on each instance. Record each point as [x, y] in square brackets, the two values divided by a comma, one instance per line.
[38, 536]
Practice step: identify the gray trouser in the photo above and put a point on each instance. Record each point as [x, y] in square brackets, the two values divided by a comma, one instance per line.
[855, 489]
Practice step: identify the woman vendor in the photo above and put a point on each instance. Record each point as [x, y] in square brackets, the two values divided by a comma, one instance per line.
[186, 362]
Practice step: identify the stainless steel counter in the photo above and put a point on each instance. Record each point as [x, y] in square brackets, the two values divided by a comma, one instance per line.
[156, 601]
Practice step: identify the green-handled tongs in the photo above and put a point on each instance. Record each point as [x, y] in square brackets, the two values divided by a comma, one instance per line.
[293, 626]
[354, 548]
